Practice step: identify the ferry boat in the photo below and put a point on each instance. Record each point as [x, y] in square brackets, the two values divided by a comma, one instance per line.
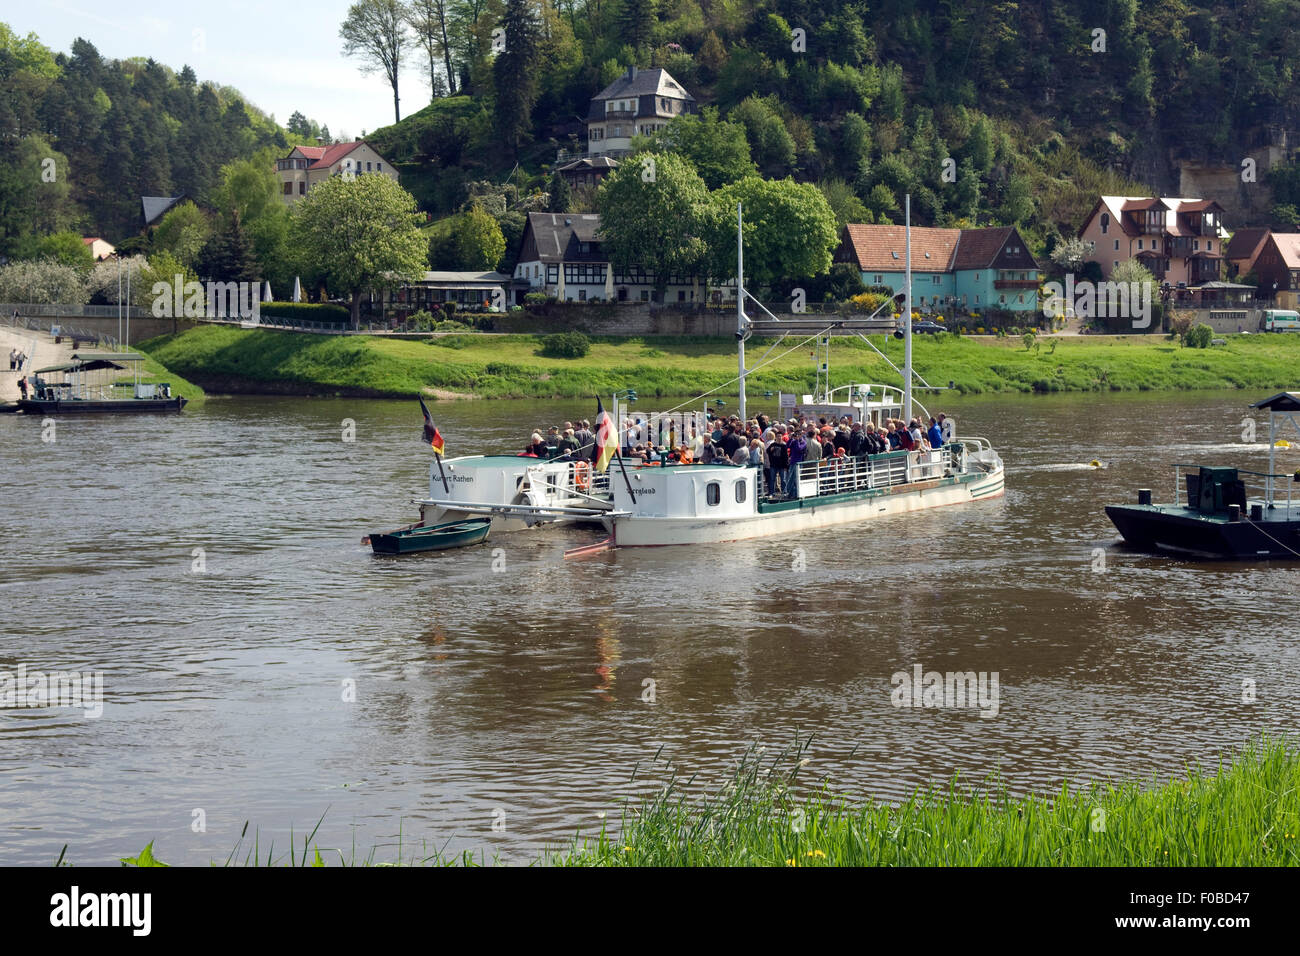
[88, 382]
[647, 504]
[1224, 512]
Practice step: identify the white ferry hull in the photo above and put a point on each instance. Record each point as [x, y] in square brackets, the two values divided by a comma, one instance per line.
[660, 531]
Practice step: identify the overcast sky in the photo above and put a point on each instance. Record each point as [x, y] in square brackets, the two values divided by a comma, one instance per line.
[283, 56]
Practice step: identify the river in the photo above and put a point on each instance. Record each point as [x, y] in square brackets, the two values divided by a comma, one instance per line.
[260, 665]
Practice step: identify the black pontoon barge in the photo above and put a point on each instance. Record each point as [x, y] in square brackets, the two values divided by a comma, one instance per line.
[1226, 512]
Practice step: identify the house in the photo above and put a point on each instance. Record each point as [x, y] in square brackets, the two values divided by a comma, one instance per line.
[305, 166]
[586, 171]
[638, 103]
[1275, 260]
[1244, 247]
[100, 249]
[560, 255]
[971, 269]
[1181, 241]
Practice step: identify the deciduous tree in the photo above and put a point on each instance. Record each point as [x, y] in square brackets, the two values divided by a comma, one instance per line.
[375, 34]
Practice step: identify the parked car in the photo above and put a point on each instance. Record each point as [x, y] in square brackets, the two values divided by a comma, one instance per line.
[927, 327]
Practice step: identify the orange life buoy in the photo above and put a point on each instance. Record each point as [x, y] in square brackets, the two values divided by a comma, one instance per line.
[581, 475]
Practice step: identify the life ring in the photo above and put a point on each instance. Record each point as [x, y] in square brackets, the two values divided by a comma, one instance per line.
[581, 475]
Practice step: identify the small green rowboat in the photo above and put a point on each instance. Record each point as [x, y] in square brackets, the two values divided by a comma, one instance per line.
[437, 537]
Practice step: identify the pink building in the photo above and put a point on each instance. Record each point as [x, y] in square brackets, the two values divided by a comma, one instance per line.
[1181, 241]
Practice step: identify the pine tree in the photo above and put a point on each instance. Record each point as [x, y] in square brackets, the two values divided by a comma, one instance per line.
[516, 75]
[561, 194]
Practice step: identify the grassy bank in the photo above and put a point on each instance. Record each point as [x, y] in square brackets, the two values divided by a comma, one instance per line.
[490, 366]
[1245, 813]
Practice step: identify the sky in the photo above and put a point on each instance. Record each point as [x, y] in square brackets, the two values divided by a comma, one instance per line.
[282, 56]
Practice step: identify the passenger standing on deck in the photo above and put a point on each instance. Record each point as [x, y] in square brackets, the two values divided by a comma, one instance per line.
[934, 434]
[798, 448]
[778, 462]
[22, 387]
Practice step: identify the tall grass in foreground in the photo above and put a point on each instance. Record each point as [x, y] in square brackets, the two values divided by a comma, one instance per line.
[1246, 813]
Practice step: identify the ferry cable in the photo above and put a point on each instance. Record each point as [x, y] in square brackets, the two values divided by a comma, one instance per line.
[755, 368]
[1281, 544]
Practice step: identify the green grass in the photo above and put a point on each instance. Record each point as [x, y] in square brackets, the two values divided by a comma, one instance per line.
[1246, 813]
[155, 371]
[493, 366]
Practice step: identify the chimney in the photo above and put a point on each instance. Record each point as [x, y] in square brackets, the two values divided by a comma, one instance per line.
[631, 72]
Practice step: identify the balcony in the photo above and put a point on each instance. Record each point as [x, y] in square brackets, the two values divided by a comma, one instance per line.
[620, 114]
[1015, 283]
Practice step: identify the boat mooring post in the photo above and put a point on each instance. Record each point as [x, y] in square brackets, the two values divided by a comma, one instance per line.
[740, 302]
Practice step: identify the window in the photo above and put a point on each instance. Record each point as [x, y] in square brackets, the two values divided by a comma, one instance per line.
[1105, 222]
[368, 169]
[713, 492]
[977, 277]
[977, 300]
[645, 295]
[879, 279]
[740, 491]
[582, 295]
[681, 296]
[1196, 245]
[1209, 245]
[288, 189]
[1002, 299]
[1117, 245]
[1020, 298]
[552, 274]
[894, 254]
[1114, 263]
[302, 188]
[1139, 245]
[936, 279]
[379, 167]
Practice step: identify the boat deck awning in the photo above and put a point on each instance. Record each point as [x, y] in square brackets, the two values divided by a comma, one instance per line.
[1281, 402]
[107, 357]
[91, 365]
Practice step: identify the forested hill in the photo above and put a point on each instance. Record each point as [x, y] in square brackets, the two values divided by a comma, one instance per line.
[1042, 104]
[116, 130]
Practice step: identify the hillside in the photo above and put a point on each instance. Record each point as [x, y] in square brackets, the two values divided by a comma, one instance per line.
[1042, 105]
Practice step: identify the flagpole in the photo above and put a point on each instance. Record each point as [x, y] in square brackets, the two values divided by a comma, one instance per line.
[442, 473]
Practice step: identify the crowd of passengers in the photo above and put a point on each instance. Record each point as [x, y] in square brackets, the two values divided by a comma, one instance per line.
[779, 448]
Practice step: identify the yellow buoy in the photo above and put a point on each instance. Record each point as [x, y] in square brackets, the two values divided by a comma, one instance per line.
[1281, 443]
[1094, 463]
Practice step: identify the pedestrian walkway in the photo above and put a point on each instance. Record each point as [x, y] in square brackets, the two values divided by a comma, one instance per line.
[41, 352]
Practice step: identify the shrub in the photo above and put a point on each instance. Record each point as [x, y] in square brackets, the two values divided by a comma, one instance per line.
[1029, 339]
[1198, 337]
[566, 345]
[306, 312]
[535, 298]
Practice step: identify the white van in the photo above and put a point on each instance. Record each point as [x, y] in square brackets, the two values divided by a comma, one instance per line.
[1281, 320]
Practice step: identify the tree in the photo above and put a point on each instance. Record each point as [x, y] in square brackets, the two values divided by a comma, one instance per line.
[430, 21]
[183, 232]
[477, 241]
[515, 74]
[790, 231]
[1070, 254]
[636, 20]
[65, 248]
[43, 282]
[769, 140]
[359, 234]
[844, 202]
[655, 213]
[561, 196]
[228, 256]
[375, 33]
[716, 148]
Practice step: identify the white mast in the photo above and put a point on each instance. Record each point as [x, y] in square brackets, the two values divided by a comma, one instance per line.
[907, 317]
[740, 302]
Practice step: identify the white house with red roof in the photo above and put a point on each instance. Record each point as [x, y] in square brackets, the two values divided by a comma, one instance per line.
[305, 166]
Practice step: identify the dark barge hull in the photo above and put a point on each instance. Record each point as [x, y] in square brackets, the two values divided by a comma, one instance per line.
[34, 406]
[1175, 528]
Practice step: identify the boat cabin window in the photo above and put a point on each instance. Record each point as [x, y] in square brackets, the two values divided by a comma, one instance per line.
[740, 491]
[713, 492]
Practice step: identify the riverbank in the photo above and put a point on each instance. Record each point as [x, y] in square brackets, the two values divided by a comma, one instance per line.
[257, 361]
[1244, 813]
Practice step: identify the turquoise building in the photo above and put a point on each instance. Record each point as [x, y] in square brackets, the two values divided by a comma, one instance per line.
[969, 269]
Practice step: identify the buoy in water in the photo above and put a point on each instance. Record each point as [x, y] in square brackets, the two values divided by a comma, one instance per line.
[1096, 464]
[1281, 443]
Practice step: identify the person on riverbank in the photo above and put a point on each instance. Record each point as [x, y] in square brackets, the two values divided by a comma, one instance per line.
[13, 359]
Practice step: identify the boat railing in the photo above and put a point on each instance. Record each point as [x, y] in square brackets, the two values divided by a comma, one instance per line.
[833, 476]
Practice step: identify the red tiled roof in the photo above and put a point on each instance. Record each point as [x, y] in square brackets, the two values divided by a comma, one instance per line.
[311, 152]
[332, 154]
[1134, 204]
[874, 247]
[1199, 205]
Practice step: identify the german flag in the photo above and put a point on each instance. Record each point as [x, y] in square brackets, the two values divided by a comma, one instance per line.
[431, 434]
[606, 437]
